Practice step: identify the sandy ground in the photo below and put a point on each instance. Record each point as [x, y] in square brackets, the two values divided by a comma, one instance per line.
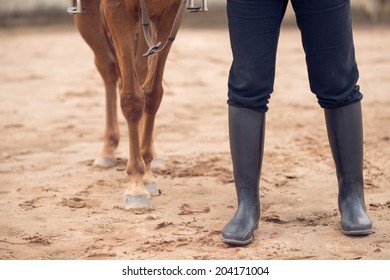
[55, 205]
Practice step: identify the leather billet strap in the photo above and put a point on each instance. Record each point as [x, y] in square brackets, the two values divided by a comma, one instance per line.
[156, 48]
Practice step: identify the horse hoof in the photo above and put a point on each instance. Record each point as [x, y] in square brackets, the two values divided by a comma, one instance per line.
[152, 189]
[104, 162]
[137, 202]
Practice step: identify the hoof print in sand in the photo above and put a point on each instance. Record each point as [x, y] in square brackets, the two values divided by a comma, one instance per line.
[73, 202]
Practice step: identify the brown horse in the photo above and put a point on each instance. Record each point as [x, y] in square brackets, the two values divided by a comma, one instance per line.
[113, 30]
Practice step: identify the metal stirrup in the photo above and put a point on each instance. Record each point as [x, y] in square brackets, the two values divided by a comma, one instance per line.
[192, 8]
[75, 7]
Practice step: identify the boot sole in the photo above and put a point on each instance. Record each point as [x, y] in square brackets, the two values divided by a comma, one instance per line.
[357, 232]
[237, 242]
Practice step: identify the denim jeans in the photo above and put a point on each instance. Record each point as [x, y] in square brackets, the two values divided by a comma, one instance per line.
[326, 32]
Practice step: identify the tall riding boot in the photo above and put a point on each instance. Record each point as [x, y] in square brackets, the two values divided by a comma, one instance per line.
[246, 130]
[345, 133]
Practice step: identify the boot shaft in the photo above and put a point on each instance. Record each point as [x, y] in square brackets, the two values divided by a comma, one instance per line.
[345, 133]
[246, 134]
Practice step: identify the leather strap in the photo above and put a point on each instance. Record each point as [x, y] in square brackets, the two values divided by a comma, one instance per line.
[156, 48]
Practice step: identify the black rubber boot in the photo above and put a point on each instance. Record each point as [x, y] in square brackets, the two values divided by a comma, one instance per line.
[246, 131]
[345, 134]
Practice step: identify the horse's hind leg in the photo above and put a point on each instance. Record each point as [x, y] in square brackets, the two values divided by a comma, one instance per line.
[91, 28]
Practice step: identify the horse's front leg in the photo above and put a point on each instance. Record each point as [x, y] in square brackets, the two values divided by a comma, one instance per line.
[153, 91]
[122, 25]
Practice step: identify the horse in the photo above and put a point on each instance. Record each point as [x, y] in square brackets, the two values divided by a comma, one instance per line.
[113, 30]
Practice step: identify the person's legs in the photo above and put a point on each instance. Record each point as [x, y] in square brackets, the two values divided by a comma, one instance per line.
[254, 31]
[326, 28]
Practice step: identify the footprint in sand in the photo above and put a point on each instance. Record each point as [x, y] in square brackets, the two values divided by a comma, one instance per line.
[73, 202]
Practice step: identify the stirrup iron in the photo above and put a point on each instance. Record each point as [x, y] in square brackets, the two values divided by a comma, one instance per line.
[191, 7]
[75, 7]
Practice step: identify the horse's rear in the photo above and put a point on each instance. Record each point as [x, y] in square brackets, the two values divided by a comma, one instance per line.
[118, 45]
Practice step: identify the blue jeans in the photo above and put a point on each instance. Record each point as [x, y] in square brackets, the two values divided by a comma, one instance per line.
[326, 31]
